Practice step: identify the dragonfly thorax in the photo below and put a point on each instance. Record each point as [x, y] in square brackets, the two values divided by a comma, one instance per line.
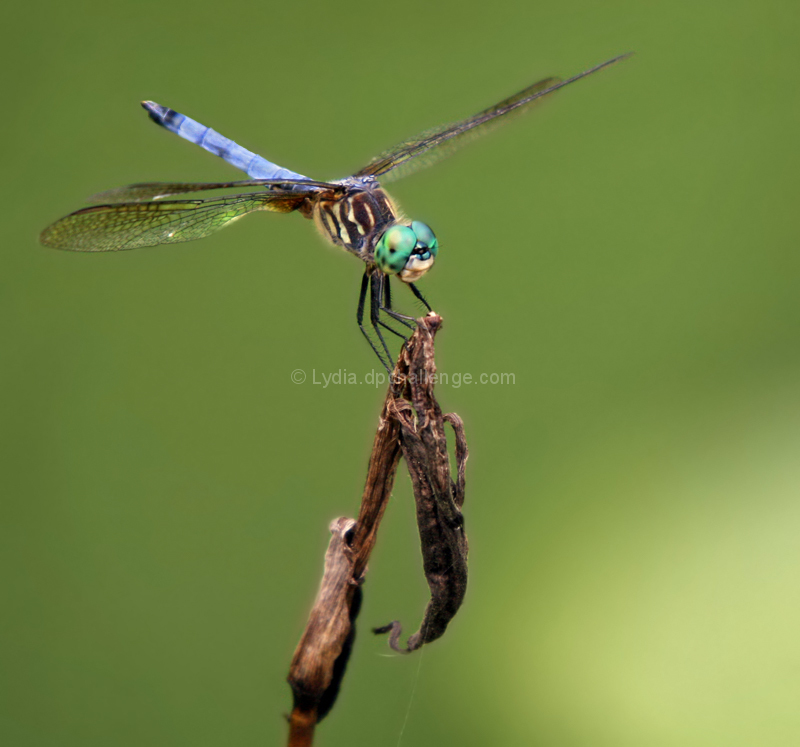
[355, 220]
[367, 223]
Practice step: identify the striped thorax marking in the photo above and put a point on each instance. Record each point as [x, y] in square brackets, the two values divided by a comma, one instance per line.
[355, 220]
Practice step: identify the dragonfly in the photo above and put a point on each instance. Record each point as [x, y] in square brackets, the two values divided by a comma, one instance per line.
[354, 213]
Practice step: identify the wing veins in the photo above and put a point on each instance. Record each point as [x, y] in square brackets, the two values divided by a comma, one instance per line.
[432, 139]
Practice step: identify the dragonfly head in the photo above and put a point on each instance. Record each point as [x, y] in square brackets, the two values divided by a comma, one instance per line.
[406, 251]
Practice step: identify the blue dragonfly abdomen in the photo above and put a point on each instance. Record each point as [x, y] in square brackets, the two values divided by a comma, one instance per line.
[255, 166]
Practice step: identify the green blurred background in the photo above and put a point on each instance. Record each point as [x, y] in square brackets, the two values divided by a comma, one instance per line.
[629, 252]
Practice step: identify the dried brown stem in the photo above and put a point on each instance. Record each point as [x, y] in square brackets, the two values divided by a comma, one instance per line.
[410, 423]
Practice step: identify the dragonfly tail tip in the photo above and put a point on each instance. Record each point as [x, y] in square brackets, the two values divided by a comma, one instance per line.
[159, 114]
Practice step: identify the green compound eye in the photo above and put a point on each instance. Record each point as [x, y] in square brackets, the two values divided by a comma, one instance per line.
[394, 249]
[407, 252]
[425, 237]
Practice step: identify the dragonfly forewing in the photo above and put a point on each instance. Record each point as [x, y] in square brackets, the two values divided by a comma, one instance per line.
[433, 145]
[156, 190]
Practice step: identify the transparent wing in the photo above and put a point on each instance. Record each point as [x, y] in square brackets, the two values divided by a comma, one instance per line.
[156, 190]
[433, 145]
[107, 228]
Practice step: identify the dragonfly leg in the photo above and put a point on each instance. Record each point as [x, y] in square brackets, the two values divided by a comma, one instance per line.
[419, 295]
[376, 291]
[362, 297]
[387, 307]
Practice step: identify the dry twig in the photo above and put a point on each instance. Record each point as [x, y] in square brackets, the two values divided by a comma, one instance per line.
[411, 423]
